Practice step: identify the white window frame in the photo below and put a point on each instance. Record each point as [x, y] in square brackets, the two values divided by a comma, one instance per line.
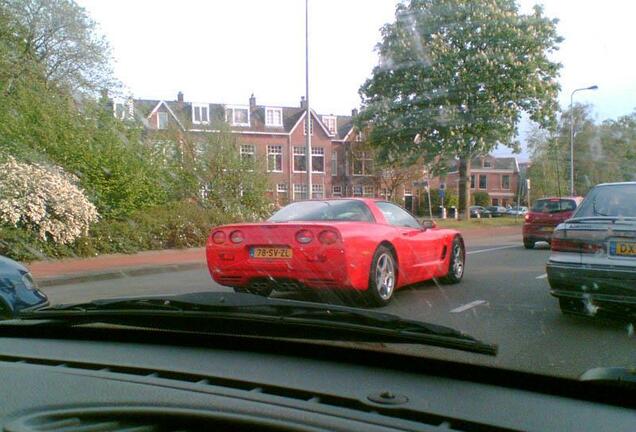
[277, 150]
[317, 152]
[502, 185]
[364, 156]
[473, 183]
[280, 116]
[282, 188]
[297, 152]
[368, 191]
[479, 182]
[334, 163]
[359, 137]
[336, 190]
[487, 161]
[327, 119]
[248, 149]
[318, 188]
[233, 108]
[201, 108]
[408, 191]
[298, 189]
[159, 121]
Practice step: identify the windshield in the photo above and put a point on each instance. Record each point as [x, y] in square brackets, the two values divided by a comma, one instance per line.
[409, 157]
[337, 210]
[619, 200]
[553, 205]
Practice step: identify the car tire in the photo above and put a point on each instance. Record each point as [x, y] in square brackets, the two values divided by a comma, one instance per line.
[456, 264]
[528, 244]
[571, 306]
[382, 278]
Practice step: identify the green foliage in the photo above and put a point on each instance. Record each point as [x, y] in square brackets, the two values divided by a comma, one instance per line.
[481, 198]
[457, 74]
[603, 152]
[450, 200]
[233, 184]
[177, 225]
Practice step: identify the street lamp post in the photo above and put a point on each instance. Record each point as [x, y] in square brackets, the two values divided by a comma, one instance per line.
[308, 128]
[594, 87]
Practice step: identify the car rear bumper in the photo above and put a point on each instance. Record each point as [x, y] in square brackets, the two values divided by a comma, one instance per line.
[311, 271]
[537, 232]
[599, 284]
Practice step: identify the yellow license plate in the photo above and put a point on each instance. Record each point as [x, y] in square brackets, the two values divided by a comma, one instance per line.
[623, 248]
[271, 252]
[547, 229]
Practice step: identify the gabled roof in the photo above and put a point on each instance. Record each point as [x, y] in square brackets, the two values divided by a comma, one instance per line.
[292, 116]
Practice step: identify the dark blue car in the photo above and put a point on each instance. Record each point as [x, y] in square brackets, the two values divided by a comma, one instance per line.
[18, 290]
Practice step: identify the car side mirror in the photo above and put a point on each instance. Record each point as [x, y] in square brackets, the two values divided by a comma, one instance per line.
[428, 224]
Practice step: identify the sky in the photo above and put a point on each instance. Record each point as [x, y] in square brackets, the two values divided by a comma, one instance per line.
[224, 50]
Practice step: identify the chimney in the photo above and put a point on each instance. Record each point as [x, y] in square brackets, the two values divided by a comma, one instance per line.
[354, 112]
[303, 103]
[180, 99]
[252, 102]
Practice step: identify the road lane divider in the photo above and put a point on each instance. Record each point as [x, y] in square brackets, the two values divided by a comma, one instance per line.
[543, 276]
[491, 249]
[470, 305]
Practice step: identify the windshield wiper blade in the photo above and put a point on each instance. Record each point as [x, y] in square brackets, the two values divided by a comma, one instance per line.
[285, 318]
[611, 375]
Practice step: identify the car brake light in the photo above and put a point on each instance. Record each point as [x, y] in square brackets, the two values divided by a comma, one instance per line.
[304, 236]
[236, 237]
[328, 237]
[567, 245]
[218, 237]
[527, 217]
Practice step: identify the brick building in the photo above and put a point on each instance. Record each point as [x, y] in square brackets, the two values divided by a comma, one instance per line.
[497, 176]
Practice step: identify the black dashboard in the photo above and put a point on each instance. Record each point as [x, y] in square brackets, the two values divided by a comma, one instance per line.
[107, 380]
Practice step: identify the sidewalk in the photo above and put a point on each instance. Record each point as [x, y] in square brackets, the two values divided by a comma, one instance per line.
[77, 270]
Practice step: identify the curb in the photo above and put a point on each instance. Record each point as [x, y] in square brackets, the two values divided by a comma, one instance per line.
[116, 274]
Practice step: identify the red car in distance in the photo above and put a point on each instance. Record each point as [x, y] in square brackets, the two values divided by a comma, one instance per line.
[544, 216]
[368, 246]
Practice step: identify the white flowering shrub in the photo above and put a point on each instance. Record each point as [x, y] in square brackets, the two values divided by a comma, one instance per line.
[45, 200]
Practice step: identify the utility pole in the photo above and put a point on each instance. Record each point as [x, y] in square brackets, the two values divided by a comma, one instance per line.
[308, 128]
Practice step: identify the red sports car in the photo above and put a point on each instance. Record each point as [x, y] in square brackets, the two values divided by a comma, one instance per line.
[362, 245]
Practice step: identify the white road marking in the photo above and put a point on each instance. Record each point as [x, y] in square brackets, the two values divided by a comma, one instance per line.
[543, 276]
[467, 306]
[491, 249]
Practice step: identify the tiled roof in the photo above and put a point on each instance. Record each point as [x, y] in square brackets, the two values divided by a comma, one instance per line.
[291, 115]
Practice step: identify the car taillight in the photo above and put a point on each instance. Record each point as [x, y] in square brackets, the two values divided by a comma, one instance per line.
[328, 237]
[526, 217]
[218, 237]
[304, 236]
[236, 237]
[569, 245]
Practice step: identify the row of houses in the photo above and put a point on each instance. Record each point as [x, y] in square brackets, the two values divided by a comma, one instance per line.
[341, 164]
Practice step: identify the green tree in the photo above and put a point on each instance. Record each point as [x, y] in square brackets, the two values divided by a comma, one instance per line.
[454, 76]
[481, 198]
[59, 39]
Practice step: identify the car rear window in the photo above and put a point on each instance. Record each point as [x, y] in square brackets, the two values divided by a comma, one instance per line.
[553, 205]
[615, 200]
[337, 210]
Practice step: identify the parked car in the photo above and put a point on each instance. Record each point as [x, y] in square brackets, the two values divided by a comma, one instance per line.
[497, 211]
[342, 244]
[478, 211]
[544, 216]
[592, 263]
[18, 290]
[517, 211]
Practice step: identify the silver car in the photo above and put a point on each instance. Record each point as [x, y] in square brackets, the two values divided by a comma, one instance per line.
[592, 265]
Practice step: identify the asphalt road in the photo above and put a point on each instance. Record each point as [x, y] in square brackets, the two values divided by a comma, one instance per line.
[503, 299]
